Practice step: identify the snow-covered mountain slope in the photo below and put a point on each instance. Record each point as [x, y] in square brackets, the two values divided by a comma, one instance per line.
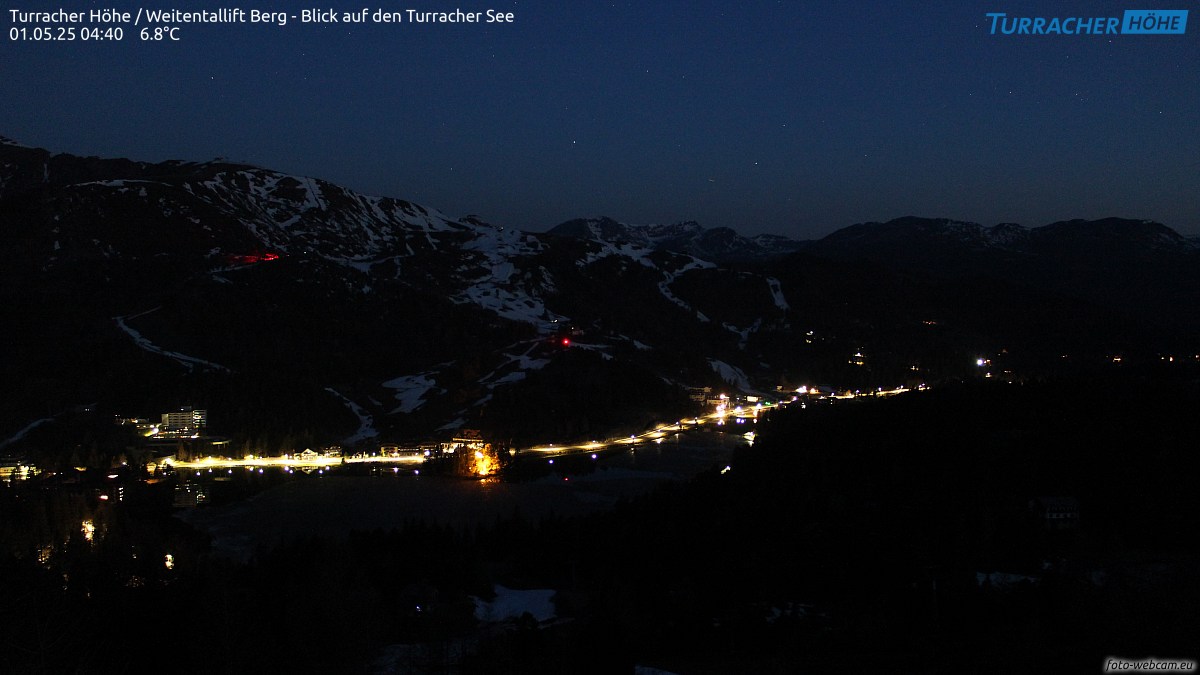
[719, 244]
[403, 311]
[290, 301]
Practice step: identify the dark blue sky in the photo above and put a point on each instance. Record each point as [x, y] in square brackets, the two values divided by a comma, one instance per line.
[787, 117]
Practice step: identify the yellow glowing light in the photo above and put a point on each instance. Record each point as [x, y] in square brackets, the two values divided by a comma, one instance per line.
[89, 530]
[485, 464]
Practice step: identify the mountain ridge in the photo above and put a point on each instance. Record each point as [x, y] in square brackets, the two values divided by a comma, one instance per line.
[136, 280]
[691, 237]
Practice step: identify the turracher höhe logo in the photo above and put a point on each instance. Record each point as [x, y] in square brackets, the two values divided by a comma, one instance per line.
[1135, 22]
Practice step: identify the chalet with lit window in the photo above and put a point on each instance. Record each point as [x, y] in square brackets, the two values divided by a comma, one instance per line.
[1056, 513]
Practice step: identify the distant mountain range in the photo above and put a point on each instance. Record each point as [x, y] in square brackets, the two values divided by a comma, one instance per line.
[1143, 268]
[719, 244]
[295, 308]
[1139, 266]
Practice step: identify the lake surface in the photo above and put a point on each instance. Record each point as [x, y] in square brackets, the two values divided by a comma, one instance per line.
[333, 504]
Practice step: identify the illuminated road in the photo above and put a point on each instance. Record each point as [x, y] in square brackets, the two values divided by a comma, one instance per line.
[288, 462]
[720, 417]
[657, 434]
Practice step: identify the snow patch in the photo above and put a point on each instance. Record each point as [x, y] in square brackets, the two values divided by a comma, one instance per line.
[366, 425]
[777, 293]
[21, 434]
[1003, 580]
[363, 266]
[511, 378]
[513, 604]
[743, 333]
[515, 368]
[599, 349]
[641, 346]
[120, 182]
[411, 391]
[664, 286]
[190, 362]
[515, 306]
[731, 374]
[497, 286]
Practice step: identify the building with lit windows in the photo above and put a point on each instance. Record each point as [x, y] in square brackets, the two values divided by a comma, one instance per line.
[187, 419]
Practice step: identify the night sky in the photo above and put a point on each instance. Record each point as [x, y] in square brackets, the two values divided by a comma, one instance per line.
[789, 117]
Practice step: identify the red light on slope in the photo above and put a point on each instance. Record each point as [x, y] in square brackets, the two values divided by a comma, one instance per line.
[252, 258]
[566, 342]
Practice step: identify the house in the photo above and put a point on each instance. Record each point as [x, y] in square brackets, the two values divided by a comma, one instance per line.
[1056, 513]
[14, 468]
